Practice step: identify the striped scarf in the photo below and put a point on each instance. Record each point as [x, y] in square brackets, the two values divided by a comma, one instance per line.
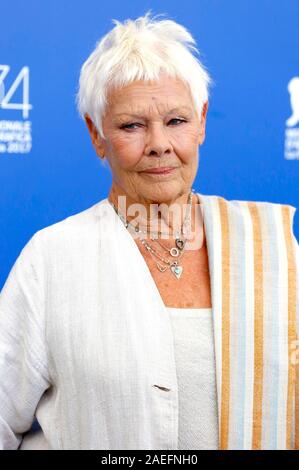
[254, 273]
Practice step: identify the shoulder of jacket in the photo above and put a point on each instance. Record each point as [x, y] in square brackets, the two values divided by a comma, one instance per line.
[241, 208]
[246, 203]
[74, 226]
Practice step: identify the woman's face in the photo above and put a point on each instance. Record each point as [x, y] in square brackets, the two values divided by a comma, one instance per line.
[151, 126]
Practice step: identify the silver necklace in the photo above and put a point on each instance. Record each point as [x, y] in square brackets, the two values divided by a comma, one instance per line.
[175, 252]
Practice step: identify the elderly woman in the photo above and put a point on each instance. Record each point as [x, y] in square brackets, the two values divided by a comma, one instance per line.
[172, 329]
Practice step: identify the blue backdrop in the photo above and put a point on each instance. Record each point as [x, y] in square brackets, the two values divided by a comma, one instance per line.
[48, 168]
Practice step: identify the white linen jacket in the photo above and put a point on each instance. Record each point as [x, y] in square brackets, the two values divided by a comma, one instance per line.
[86, 344]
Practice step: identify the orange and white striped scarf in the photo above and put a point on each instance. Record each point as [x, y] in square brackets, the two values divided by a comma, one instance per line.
[254, 272]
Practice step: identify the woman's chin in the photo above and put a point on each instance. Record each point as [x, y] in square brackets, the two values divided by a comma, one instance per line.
[165, 196]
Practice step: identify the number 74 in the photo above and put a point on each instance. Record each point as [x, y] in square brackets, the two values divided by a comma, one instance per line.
[22, 78]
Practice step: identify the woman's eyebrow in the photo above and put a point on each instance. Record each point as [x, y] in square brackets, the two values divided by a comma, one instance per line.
[142, 115]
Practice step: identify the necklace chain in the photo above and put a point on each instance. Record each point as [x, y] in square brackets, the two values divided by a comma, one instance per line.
[175, 252]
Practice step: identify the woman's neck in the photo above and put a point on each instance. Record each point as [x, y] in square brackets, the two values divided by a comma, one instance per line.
[160, 217]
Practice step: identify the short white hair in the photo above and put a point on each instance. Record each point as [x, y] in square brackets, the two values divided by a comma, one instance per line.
[139, 50]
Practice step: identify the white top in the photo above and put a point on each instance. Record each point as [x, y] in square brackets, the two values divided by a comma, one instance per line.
[86, 342]
[196, 373]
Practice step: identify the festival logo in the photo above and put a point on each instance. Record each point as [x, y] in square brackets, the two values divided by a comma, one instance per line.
[291, 147]
[15, 135]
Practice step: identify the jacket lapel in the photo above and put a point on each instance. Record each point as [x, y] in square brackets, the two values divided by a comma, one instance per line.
[213, 232]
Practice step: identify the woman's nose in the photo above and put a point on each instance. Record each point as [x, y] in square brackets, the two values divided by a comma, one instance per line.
[157, 143]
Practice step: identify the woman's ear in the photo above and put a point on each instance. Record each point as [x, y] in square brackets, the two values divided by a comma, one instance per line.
[96, 139]
[202, 125]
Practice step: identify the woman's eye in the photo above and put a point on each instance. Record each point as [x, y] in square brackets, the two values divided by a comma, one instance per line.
[128, 126]
[176, 119]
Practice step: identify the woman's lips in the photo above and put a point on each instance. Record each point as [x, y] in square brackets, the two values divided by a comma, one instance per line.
[159, 171]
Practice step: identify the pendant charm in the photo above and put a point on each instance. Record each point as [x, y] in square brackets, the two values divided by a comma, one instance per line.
[180, 243]
[161, 268]
[177, 270]
[174, 252]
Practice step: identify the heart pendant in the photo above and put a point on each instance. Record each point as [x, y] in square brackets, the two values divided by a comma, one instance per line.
[180, 243]
[177, 271]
